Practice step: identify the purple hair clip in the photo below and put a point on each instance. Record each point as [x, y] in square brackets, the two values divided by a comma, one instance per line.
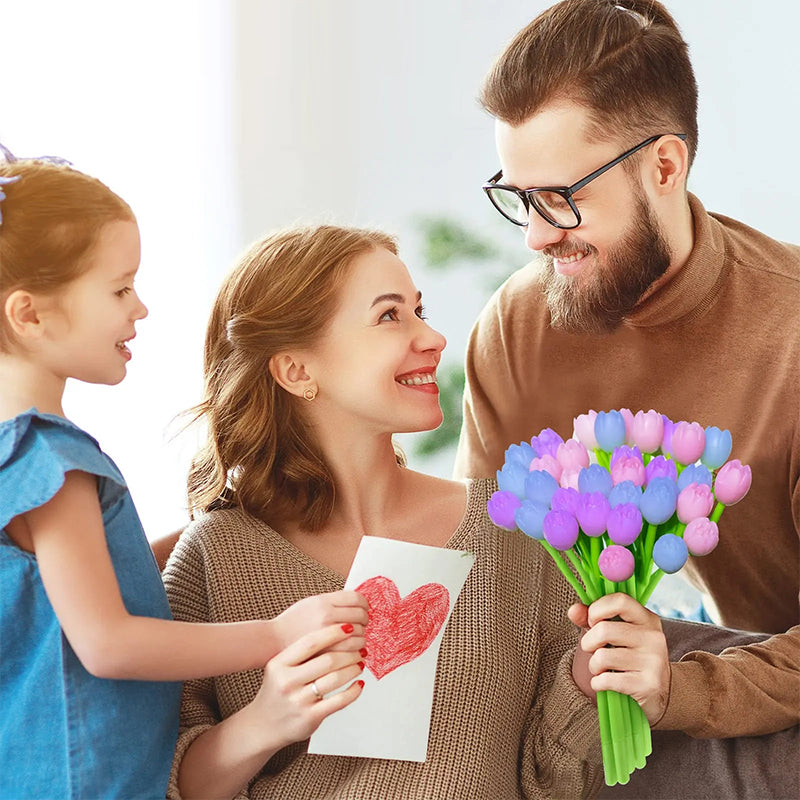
[10, 158]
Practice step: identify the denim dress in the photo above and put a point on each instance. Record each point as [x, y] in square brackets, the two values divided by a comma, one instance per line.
[65, 734]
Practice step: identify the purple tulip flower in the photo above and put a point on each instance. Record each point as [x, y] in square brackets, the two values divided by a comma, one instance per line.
[701, 536]
[659, 500]
[609, 430]
[648, 430]
[540, 486]
[594, 478]
[530, 518]
[624, 523]
[625, 492]
[670, 552]
[660, 467]
[666, 436]
[501, 507]
[592, 513]
[521, 454]
[718, 447]
[732, 482]
[688, 442]
[583, 429]
[547, 442]
[565, 499]
[511, 478]
[694, 473]
[694, 501]
[560, 529]
[616, 563]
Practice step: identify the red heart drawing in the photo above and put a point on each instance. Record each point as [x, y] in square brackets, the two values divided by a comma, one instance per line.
[401, 630]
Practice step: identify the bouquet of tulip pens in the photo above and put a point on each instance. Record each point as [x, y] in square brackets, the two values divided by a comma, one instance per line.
[623, 502]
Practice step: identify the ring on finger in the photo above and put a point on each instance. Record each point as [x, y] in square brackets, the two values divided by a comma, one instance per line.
[317, 693]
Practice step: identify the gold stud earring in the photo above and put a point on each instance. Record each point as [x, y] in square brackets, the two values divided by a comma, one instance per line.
[310, 394]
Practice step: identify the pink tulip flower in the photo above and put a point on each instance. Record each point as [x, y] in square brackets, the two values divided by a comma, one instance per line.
[695, 501]
[628, 469]
[572, 455]
[583, 428]
[548, 464]
[701, 536]
[616, 563]
[569, 478]
[732, 482]
[688, 442]
[627, 415]
[648, 430]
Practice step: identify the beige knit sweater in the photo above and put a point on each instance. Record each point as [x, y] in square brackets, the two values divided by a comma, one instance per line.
[508, 721]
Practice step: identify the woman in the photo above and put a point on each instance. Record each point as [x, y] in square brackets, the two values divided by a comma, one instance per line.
[317, 351]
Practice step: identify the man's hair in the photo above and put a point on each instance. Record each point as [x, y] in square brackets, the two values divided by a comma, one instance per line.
[625, 62]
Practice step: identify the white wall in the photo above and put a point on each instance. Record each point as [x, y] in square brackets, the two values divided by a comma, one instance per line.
[219, 120]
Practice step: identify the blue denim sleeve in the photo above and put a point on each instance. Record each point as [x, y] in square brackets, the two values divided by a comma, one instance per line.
[36, 452]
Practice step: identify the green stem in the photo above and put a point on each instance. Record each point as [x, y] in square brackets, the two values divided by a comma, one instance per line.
[717, 512]
[650, 586]
[586, 576]
[565, 571]
[609, 766]
[649, 541]
[620, 734]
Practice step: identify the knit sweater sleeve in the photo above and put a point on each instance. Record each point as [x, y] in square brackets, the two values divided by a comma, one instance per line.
[709, 692]
[185, 581]
[561, 745]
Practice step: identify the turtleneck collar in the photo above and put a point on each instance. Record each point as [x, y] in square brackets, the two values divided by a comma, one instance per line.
[693, 288]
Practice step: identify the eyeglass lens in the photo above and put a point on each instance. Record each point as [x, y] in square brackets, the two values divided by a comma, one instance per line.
[553, 206]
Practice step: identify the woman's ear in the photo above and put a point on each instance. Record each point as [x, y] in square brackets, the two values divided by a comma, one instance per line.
[22, 314]
[290, 372]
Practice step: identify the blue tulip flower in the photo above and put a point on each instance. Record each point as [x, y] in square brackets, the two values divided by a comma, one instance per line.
[670, 552]
[717, 449]
[540, 486]
[530, 518]
[595, 478]
[511, 478]
[521, 454]
[659, 500]
[609, 430]
[625, 492]
[694, 473]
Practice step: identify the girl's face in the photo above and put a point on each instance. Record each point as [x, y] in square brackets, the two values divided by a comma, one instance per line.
[89, 324]
[376, 364]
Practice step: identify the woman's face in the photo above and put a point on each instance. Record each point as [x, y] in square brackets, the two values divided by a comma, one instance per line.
[375, 367]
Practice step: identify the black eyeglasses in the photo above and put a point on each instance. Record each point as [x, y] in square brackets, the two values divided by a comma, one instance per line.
[553, 203]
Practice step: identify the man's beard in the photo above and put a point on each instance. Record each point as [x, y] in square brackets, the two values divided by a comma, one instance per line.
[600, 304]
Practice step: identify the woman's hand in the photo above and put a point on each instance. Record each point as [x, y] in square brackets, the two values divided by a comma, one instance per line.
[292, 700]
[312, 613]
[627, 652]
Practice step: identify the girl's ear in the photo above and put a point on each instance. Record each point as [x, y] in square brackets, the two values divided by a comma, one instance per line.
[290, 372]
[23, 315]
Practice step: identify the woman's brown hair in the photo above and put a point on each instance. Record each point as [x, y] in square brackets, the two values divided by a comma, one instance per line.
[259, 455]
[52, 217]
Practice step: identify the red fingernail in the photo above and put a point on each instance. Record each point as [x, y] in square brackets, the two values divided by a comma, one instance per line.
[347, 627]
[363, 652]
[360, 683]
[361, 665]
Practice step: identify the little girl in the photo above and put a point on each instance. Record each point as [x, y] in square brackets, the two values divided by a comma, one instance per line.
[90, 658]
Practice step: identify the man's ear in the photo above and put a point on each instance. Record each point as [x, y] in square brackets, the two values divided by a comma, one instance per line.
[670, 169]
[290, 372]
[22, 314]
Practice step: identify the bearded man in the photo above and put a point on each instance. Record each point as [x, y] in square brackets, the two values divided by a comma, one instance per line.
[639, 298]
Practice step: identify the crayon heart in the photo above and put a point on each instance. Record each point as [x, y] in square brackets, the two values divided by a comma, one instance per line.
[401, 630]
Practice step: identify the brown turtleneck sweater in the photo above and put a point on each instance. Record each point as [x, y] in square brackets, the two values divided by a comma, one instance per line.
[719, 344]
